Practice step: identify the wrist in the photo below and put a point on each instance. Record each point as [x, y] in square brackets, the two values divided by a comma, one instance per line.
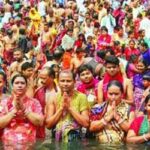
[104, 121]
[11, 114]
[27, 113]
[120, 121]
[145, 137]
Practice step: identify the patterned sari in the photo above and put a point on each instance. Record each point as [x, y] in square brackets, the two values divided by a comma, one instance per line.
[111, 133]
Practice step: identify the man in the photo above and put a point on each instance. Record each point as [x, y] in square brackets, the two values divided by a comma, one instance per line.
[46, 89]
[113, 73]
[9, 45]
[46, 38]
[68, 110]
[16, 65]
[27, 71]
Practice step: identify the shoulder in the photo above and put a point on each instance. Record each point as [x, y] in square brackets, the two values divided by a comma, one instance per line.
[79, 94]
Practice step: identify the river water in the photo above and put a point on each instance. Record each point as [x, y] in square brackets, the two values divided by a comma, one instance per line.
[88, 145]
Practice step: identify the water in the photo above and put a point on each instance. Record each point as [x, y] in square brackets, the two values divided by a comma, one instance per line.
[87, 145]
[84, 145]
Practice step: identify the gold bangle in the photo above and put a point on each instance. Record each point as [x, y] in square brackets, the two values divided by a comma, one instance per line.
[121, 121]
[144, 137]
[104, 121]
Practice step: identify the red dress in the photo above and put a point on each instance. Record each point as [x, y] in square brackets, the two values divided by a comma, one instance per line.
[20, 131]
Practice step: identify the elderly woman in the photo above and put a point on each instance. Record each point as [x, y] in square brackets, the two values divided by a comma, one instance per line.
[20, 115]
[111, 119]
[139, 131]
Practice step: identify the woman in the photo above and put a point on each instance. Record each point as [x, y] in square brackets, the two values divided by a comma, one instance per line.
[2, 94]
[139, 130]
[111, 119]
[138, 83]
[20, 115]
[131, 50]
[104, 39]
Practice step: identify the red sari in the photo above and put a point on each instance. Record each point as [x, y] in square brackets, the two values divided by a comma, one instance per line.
[20, 131]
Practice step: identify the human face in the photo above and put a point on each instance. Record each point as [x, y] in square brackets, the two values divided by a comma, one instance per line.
[86, 76]
[46, 28]
[112, 69]
[132, 44]
[66, 82]
[44, 78]
[147, 107]
[2, 82]
[141, 67]
[19, 86]
[28, 72]
[114, 93]
[146, 83]
[18, 55]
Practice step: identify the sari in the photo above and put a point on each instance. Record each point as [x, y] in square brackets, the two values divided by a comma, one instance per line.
[20, 132]
[140, 125]
[112, 132]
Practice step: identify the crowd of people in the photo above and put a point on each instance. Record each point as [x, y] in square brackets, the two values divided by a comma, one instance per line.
[74, 69]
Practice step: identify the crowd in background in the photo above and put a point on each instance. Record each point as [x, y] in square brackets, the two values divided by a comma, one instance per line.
[74, 69]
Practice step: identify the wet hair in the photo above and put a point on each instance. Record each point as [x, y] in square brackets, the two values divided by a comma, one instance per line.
[115, 83]
[112, 60]
[83, 68]
[16, 76]
[67, 71]
[18, 49]
[26, 65]
[147, 99]
[50, 72]
[4, 75]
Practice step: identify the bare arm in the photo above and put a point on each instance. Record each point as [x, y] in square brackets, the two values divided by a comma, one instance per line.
[100, 92]
[82, 119]
[129, 98]
[133, 138]
[52, 116]
[5, 120]
[35, 118]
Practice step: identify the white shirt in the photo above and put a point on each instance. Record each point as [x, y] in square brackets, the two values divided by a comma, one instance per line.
[145, 25]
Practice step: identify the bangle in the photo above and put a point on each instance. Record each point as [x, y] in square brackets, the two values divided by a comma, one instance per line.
[27, 112]
[144, 137]
[121, 121]
[104, 121]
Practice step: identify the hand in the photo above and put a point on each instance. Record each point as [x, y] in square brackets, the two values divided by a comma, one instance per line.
[66, 101]
[13, 113]
[116, 116]
[18, 102]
